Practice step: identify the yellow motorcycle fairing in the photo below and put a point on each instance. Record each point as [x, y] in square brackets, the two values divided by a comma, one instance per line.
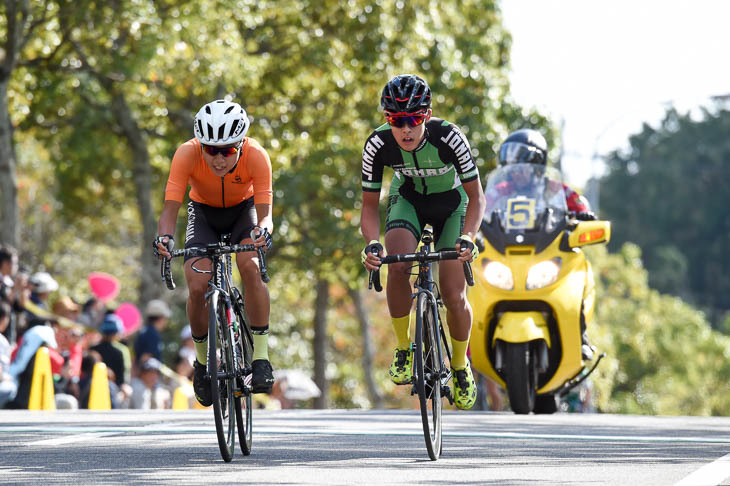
[521, 327]
[564, 297]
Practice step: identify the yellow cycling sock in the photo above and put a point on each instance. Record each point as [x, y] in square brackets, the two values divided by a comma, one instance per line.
[402, 327]
[260, 343]
[458, 354]
[201, 349]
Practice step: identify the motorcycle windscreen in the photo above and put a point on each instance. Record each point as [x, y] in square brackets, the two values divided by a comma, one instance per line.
[525, 197]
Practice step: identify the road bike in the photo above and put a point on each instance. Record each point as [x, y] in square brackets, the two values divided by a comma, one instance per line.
[430, 374]
[230, 341]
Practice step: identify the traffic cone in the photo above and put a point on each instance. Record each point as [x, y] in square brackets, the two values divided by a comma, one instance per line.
[99, 396]
[180, 400]
[42, 396]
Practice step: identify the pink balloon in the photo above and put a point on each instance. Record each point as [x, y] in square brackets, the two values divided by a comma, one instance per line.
[131, 317]
[104, 286]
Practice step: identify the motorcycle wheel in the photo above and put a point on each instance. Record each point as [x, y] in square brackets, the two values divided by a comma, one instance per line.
[520, 377]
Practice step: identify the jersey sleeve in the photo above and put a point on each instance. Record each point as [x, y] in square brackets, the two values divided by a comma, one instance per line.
[259, 168]
[372, 164]
[575, 201]
[181, 168]
[459, 152]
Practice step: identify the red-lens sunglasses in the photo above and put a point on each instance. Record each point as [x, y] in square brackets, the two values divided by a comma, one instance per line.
[399, 120]
[226, 151]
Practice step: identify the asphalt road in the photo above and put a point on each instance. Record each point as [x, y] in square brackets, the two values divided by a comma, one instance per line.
[343, 447]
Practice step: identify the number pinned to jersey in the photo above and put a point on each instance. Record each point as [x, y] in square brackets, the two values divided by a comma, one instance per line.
[520, 213]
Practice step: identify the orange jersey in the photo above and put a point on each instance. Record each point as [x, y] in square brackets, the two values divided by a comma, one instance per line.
[251, 177]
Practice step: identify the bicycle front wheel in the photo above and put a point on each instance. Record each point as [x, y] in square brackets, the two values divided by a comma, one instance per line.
[244, 410]
[427, 374]
[220, 362]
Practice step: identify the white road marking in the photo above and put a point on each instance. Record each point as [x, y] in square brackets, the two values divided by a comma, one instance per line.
[68, 439]
[86, 433]
[710, 474]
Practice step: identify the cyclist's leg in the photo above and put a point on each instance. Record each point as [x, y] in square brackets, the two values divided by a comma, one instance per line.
[256, 298]
[198, 233]
[402, 231]
[453, 292]
[448, 226]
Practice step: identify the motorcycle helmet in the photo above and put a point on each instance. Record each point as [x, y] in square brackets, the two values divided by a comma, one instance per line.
[221, 122]
[523, 146]
[406, 93]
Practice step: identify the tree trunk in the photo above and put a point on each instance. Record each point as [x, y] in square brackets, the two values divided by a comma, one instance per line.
[376, 399]
[320, 341]
[9, 219]
[150, 287]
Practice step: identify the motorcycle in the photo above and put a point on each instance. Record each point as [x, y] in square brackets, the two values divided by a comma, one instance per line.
[533, 286]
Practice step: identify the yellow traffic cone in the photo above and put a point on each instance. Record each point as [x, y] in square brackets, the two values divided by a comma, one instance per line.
[180, 400]
[42, 396]
[99, 397]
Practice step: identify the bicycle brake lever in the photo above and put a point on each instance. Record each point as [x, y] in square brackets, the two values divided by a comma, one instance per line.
[469, 274]
[262, 262]
[374, 280]
[167, 273]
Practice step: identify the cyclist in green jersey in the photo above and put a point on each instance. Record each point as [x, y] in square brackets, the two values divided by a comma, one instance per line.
[436, 182]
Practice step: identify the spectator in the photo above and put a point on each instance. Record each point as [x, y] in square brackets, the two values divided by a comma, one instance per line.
[41, 285]
[21, 365]
[13, 289]
[149, 340]
[114, 354]
[93, 313]
[147, 392]
[7, 385]
[8, 268]
[67, 308]
[91, 358]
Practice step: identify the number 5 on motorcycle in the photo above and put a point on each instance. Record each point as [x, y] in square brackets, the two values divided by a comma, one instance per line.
[520, 213]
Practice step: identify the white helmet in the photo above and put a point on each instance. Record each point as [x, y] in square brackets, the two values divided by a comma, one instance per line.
[221, 122]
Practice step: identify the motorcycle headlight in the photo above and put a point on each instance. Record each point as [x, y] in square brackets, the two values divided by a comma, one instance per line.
[499, 275]
[543, 274]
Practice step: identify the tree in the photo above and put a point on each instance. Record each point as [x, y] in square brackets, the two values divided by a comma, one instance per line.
[669, 193]
[29, 38]
[663, 356]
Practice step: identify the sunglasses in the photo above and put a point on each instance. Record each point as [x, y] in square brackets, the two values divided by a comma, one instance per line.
[399, 120]
[226, 151]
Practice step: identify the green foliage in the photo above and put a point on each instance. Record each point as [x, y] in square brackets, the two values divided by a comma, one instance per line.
[669, 193]
[309, 75]
[663, 356]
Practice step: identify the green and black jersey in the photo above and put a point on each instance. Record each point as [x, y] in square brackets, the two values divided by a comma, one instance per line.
[442, 162]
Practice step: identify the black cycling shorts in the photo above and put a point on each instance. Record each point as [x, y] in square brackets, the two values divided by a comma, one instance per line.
[206, 223]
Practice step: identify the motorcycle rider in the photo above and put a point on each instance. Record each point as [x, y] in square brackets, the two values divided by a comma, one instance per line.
[528, 146]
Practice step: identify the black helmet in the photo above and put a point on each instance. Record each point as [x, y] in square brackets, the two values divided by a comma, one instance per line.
[406, 93]
[525, 145]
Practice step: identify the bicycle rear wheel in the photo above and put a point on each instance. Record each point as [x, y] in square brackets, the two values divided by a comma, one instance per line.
[220, 361]
[244, 410]
[427, 374]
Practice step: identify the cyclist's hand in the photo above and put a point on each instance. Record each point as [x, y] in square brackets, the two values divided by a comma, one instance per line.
[262, 237]
[370, 255]
[162, 246]
[468, 251]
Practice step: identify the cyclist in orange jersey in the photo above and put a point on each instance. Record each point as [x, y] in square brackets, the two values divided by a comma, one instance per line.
[229, 176]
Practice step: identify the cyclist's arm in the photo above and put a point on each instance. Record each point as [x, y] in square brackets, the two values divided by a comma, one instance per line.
[263, 212]
[167, 223]
[475, 207]
[369, 216]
